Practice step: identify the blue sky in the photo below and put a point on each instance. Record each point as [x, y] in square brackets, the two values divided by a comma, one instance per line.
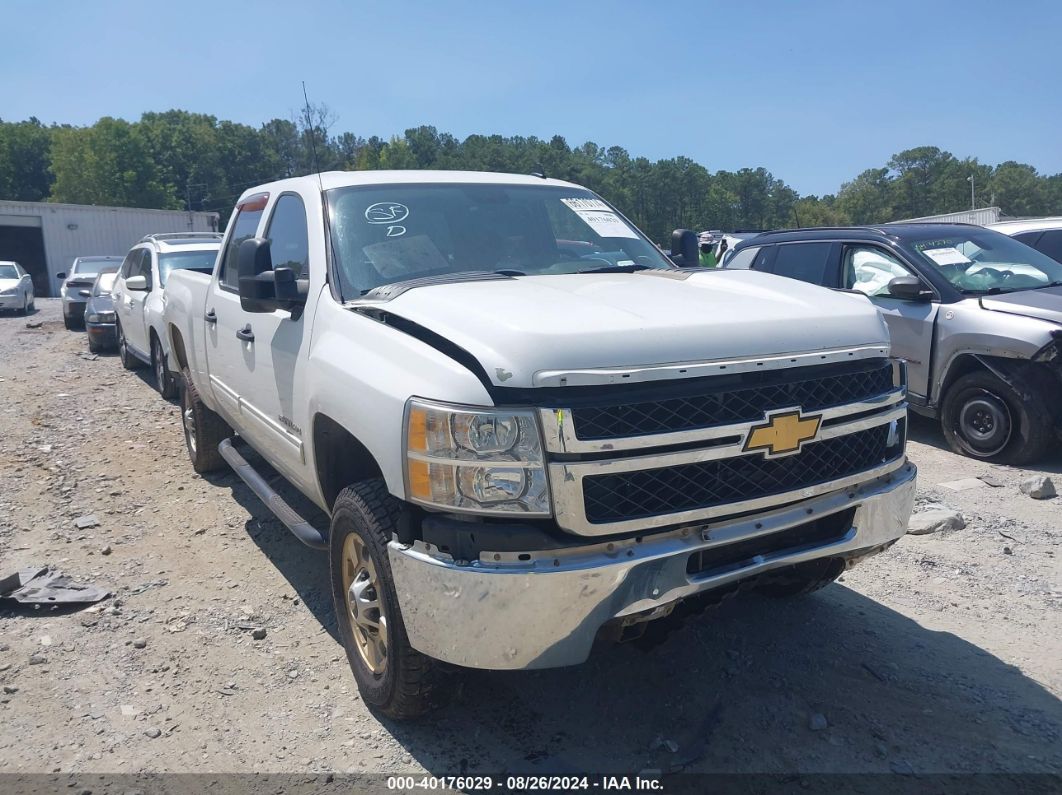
[813, 91]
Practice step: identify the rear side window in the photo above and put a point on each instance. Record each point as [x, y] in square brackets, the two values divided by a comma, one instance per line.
[807, 262]
[244, 226]
[1051, 244]
[743, 259]
[289, 242]
[1028, 238]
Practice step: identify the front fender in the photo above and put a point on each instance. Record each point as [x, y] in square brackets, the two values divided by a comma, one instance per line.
[361, 373]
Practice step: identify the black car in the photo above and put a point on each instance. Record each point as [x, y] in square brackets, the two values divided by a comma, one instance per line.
[976, 314]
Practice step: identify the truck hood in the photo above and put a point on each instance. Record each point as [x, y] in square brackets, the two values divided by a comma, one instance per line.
[519, 328]
[1043, 304]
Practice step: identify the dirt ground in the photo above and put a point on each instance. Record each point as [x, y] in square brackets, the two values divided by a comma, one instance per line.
[940, 656]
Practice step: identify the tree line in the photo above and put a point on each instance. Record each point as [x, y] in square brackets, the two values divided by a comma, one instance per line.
[193, 161]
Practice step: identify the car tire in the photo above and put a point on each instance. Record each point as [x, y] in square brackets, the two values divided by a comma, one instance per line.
[129, 361]
[25, 305]
[94, 347]
[164, 380]
[68, 322]
[392, 676]
[203, 429]
[801, 579]
[986, 418]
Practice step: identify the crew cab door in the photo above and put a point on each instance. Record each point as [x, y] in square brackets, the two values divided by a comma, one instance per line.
[869, 269]
[256, 359]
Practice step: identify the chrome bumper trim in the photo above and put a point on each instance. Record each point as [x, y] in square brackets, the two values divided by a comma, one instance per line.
[670, 372]
[558, 428]
[566, 480]
[545, 611]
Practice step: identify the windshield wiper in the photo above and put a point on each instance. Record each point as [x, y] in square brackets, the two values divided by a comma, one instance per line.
[634, 266]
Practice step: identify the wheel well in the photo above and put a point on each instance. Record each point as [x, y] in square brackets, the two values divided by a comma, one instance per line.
[963, 364]
[177, 346]
[340, 459]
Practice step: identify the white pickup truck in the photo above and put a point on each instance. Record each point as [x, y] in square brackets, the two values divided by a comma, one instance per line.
[530, 428]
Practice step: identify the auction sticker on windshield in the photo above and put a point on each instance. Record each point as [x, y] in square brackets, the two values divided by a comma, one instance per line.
[597, 215]
[947, 256]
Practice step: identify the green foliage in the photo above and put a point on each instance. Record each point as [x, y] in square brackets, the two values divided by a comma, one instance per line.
[177, 159]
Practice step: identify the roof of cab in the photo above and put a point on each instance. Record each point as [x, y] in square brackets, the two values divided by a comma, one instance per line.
[328, 180]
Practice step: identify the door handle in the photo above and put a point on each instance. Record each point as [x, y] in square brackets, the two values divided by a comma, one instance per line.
[245, 333]
[211, 316]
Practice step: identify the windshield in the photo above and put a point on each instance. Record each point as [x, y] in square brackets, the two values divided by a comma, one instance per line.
[201, 261]
[8, 272]
[983, 261]
[104, 284]
[387, 234]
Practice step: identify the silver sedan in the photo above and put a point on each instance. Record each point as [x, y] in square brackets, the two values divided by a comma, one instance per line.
[16, 287]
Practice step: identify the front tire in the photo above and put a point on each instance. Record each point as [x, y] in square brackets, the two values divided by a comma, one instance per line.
[25, 305]
[984, 417]
[68, 322]
[164, 380]
[392, 676]
[203, 430]
[129, 361]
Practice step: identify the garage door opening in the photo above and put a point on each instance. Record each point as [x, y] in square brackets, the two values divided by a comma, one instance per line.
[25, 245]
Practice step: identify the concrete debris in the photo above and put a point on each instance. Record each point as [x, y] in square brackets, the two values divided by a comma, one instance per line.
[965, 484]
[153, 732]
[139, 643]
[935, 518]
[991, 480]
[85, 522]
[1039, 487]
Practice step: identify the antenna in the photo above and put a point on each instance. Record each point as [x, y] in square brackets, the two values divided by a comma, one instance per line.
[335, 280]
[309, 129]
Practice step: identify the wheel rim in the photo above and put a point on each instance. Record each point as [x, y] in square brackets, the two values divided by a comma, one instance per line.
[188, 417]
[160, 366]
[365, 613]
[985, 423]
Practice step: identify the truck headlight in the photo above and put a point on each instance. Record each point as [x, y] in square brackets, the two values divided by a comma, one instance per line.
[479, 460]
[100, 317]
[9, 291]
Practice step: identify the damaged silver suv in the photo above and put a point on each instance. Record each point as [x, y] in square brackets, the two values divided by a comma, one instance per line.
[976, 314]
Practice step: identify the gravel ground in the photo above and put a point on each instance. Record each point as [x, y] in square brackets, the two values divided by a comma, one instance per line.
[940, 656]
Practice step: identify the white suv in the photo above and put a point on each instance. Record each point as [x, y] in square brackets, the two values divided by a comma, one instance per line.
[1043, 234]
[139, 296]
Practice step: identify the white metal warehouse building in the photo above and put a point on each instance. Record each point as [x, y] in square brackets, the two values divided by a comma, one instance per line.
[44, 238]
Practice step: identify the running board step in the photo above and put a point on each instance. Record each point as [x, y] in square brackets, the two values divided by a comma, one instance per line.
[303, 530]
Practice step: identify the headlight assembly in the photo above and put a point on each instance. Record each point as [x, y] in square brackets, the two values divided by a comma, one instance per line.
[9, 291]
[479, 460]
[100, 317]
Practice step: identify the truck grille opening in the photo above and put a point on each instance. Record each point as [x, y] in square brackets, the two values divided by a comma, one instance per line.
[728, 557]
[757, 393]
[665, 490]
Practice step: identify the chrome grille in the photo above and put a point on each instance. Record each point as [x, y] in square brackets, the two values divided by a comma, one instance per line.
[624, 496]
[720, 406]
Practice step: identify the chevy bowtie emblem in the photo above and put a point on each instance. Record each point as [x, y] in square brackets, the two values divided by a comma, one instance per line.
[783, 433]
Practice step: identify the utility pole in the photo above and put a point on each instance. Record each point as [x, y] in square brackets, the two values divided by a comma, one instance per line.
[970, 179]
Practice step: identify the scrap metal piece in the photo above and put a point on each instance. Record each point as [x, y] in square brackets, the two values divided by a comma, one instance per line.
[36, 585]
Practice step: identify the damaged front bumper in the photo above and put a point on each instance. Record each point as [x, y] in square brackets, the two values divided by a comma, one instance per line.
[543, 609]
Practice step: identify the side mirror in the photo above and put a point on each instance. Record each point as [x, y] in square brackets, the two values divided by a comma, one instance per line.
[909, 288]
[136, 283]
[264, 288]
[61, 275]
[85, 293]
[685, 251]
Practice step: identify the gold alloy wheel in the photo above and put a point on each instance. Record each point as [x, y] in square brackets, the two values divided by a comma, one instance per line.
[364, 608]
